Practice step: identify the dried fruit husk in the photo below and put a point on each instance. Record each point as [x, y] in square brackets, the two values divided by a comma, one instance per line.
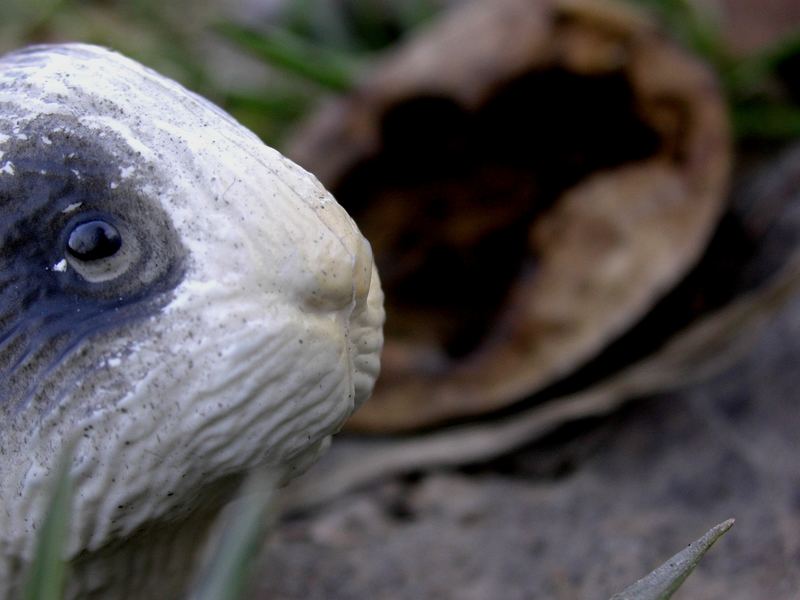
[533, 176]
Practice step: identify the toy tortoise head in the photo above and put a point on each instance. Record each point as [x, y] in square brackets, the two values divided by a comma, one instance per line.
[178, 300]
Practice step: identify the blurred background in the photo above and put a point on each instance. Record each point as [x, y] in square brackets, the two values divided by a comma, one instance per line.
[268, 61]
[586, 215]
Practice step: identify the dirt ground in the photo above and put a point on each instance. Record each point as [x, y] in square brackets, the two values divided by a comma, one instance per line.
[657, 476]
[592, 508]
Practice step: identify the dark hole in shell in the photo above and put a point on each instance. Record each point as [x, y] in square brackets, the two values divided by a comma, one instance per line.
[724, 271]
[448, 201]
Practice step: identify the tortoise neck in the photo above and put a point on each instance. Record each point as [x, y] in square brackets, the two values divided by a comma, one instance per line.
[157, 562]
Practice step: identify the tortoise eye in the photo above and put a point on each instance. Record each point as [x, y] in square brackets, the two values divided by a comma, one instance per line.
[94, 240]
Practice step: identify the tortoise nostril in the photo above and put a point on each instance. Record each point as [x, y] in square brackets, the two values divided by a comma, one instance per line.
[340, 281]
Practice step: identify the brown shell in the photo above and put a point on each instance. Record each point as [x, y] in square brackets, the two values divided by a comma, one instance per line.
[533, 175]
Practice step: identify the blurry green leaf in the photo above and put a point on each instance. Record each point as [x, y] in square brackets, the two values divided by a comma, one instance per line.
[288, 52]
[752, 71]
[276, 106]
[413, 13]
[759, 109]
[666, 579]
[767, 121]
[322, 21]
[369, 22]
[297, 17]
[269, 113]
[28, 12]
[21, 19]
[695, 27]
[227, 573]
[47, 574]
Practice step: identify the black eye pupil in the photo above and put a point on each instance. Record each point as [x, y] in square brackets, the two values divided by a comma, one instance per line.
[94, 240]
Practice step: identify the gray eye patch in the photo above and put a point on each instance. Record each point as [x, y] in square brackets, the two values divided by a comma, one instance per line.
[57, 176]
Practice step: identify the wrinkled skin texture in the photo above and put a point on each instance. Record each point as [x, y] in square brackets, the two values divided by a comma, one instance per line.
[237, 325]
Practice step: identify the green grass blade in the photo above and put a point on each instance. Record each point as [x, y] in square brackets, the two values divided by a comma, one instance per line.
[29, 14]
[666, 579]
[284, 107]
[292, 54]
[766, 120]
[48, 572]
[226, 575]
[322, 21]
[751, 71]
[414, 13]
[694, 26]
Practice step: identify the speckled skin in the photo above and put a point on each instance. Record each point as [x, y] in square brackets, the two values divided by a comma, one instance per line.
[239, 325]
